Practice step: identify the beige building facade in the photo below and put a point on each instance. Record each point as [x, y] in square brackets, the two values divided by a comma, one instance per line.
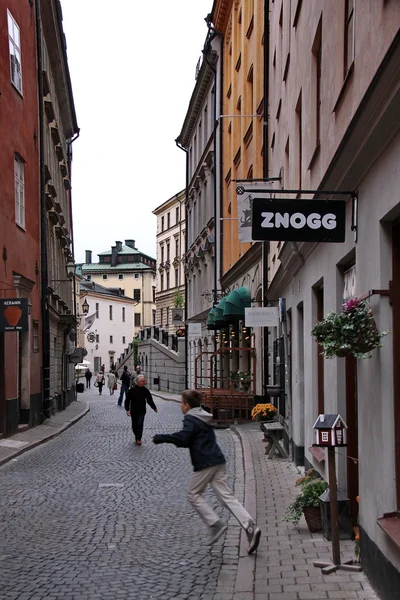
[170, 288]
[334, 97]
[125, 267]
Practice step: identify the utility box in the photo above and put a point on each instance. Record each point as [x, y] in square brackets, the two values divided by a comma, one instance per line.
[345, 524]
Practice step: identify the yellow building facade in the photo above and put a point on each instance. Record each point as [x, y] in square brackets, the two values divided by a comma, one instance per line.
[241, 23]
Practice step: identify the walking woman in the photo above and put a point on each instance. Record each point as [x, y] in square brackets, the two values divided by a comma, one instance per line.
[135, 405]
[112, 380]
[100, 381]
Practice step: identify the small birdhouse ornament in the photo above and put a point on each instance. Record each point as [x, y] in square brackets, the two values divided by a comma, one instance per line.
[330, 431]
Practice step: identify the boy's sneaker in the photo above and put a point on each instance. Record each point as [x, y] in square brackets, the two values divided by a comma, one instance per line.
[253, 535]
[217, 530]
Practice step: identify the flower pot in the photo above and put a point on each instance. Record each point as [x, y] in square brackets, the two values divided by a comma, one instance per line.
[312, 516]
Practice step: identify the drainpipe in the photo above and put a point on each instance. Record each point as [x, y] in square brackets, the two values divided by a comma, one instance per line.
[186, 238]
[265, 245]
[43, 229]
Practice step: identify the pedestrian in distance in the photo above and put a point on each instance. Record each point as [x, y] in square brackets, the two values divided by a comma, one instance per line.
[138, 371]
[100, 382]
[209, 466]
[112, 382]
[135, 405]
[125, 383]
[88, 377]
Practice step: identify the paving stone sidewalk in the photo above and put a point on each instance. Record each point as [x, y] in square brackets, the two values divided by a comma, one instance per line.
[19, 443]
[282, 568]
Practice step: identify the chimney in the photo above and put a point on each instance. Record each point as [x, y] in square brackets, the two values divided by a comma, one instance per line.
[88, 256]
[113, 256]
[130, 243]
[119, 246]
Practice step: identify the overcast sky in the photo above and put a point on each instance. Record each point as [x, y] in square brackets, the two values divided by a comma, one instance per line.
[132, 66]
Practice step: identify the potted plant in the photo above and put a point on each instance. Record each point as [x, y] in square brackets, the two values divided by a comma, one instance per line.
[353, 331]
[307, 502]
[234, 379]
[178, 300]
[245, 380]
[263, 412]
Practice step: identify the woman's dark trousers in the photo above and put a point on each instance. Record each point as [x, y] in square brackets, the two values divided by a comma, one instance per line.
[137, 426]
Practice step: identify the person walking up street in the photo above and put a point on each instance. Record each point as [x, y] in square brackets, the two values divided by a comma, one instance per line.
[112, 380]
[138, 371]
[100, 382]
[135, 405]
[88, 377]
[209, 469]
[126, 380]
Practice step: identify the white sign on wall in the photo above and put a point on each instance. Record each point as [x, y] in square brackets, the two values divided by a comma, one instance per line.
[246, 191]
[267, 316]
[194, 331]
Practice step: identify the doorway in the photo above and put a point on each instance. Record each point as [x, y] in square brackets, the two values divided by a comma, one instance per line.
[352, 437]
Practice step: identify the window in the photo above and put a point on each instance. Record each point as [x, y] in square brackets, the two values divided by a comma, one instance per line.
[154, 317]
[162, 254]
[162, 282]
[154, 294]
[123, 314]
[161, 317]
[162, 223]
[348, 35]
[19, 191]
[97, 310]
[325, 436]
[105, 276]
[299, 142]
[176, 277]
[110, 311]
[136, 295]
[120, 276]
[168, 253]
[177, 247]
[15, 52]
[35, 336]
[111, 339]
[317, 65]
[89, 277]
[167, 311]
[167, 280]
[137, 319]
[250, 78]
[168, 220]
[177, 214]
[123, 339]
[97, 338]
[137, 275]
[319, 297]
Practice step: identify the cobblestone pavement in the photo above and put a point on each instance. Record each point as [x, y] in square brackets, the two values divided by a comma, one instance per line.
[284, 562]
[90, 516]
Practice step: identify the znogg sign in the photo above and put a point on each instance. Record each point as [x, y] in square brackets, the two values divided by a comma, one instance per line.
[298, 220]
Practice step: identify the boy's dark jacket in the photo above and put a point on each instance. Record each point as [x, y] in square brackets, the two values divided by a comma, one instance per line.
[197, 435]
[136, 398]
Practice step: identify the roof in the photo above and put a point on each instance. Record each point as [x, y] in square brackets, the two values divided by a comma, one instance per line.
[329, 421]
[124, 250]
[88, 267]
[179, 197]
[91, 286]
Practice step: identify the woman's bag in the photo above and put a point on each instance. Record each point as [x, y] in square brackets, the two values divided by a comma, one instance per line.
[115, 386]
[96, 384]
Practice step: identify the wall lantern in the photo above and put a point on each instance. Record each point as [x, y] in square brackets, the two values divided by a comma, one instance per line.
[85, 307]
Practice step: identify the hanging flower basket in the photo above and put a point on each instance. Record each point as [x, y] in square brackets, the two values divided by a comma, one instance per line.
[352, 332]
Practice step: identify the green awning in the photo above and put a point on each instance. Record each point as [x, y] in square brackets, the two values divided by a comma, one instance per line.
[210, 319]
[235, 303]
[219, 320]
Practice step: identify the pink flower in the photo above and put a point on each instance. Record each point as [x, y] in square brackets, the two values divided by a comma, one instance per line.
[351, 304]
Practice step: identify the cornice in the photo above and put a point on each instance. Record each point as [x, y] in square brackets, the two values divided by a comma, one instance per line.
[220, 14]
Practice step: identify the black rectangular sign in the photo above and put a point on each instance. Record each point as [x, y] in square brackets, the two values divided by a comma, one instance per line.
[14, 314]
[280, 219]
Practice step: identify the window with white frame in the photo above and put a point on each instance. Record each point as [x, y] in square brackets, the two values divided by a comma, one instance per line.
[19, 191]
[14, 42]
[35, 336]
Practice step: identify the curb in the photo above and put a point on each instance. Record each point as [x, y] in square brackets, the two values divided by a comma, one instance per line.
[246, 566]
[48, 437]
[159, 395]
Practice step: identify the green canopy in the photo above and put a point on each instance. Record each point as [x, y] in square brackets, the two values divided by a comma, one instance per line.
[219, 320]
[235, 303]
[210, 319]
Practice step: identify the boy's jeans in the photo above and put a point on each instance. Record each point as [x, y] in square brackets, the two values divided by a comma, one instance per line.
[217, 478]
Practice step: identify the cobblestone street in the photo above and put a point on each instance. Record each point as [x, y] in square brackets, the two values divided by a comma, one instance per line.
[90, 516]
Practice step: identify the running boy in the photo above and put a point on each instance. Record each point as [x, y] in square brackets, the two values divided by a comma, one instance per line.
[209, 468]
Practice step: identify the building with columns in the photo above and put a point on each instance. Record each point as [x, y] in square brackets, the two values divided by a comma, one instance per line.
[170, 288]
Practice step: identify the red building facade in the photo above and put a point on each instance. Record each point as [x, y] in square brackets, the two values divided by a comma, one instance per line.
[20, 352]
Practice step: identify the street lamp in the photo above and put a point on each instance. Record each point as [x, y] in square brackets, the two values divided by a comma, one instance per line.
[85, 307]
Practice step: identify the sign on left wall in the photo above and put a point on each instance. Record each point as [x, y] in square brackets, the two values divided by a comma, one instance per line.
[14, 314]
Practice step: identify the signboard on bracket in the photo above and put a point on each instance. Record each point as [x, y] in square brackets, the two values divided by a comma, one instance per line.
[246, 192]
[194, 331]
[261, 316]
[287, 220]
[14, 315]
